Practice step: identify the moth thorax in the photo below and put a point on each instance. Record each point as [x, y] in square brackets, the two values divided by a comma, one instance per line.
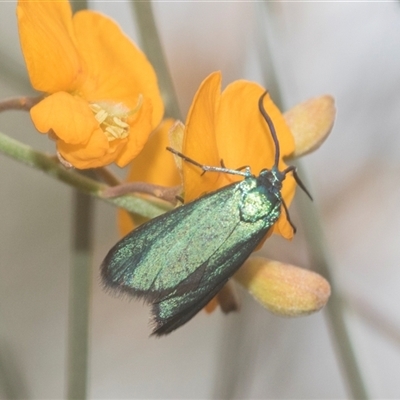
[258, 204]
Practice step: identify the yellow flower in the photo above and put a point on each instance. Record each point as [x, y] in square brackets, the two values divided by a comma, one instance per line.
[102, 99]
[154, 165]
[228, 126]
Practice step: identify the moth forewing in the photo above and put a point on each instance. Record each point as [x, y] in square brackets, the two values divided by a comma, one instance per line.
[180, 260]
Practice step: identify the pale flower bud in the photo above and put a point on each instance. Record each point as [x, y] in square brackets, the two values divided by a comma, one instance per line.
[282, 288]
[310, 123]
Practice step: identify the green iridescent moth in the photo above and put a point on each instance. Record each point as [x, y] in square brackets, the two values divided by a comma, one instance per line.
[180, 260]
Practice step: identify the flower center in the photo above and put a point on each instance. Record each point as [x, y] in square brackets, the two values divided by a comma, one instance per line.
[113, 118]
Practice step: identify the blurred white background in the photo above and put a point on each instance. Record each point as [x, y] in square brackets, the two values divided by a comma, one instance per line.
[350, 50]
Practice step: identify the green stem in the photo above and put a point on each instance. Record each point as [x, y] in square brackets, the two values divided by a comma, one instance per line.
[13, 73]
[336, 307]
[13, 384]
[151, 45]
[166, 193]
[78, 5]
[318, 248]
[80, 290]
[79, 297]
[25, 154]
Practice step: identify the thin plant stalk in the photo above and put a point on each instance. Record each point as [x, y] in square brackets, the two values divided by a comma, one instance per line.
[36, 159]
[151, 45]
[13, 383]
[80, 287]
[336, 307]
[318, 248]
[79, 296]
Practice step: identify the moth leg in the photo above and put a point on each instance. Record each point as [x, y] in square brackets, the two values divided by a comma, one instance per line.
[245, 167]
[296, 177]
[288, 216]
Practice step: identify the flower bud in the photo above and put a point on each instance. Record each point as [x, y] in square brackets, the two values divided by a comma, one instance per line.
[283, 289]
[310, 123]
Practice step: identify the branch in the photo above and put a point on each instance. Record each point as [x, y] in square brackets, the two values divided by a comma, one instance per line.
[162, 192]
[19, 103]
[26, 155]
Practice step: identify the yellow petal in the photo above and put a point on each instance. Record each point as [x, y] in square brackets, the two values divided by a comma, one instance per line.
[310, 123]
[139, 132]
[48, 44]
[284, 289]
[69, 117]
[243, 137]
[200, 139]
[230, 127]
[118, 70]
[153, 165]
[96, 152]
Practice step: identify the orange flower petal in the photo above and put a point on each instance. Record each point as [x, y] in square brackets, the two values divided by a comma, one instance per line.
[139, 132]
[118, 69]
[249, 142]
[154, 165]
[48, 45]
[230, 127]
[199, 141]
[97, 152]
[242, 131]
[69, 117]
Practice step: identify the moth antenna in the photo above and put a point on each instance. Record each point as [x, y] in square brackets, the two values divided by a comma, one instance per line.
[271, 127]
[207, 168]
[277, 148]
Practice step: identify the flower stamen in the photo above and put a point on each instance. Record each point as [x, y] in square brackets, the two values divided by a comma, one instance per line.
[113, 118]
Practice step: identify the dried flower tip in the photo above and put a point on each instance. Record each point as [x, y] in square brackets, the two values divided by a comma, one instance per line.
[228, 298]
[310, 123]
[284, 289]
[175, 136]
[64, 162]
